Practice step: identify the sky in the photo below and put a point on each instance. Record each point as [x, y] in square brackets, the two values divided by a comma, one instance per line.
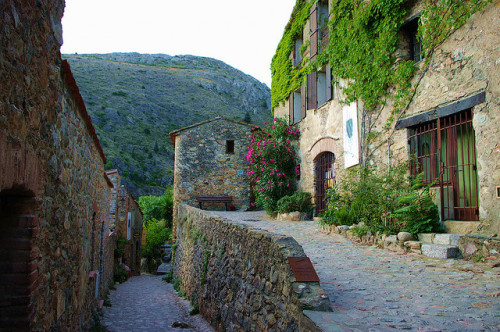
[244, 34]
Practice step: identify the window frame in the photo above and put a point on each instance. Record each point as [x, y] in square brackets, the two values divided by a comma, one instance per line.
[230, 146]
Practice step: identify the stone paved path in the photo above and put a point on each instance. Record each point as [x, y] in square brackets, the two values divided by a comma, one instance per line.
[374, 289]
[147, 303]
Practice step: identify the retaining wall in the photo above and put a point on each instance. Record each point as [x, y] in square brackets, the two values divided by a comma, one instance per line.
[239, 276]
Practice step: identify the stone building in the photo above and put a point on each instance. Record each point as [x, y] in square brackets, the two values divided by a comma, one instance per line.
[55, 248]
[450, 126]
[210, 160]
[129, 227]
[126, 222]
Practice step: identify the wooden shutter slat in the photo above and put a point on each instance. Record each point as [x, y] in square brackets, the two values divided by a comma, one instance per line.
[290, 109]
[313, 22]
[312, 89]
[313, 17]
[303, 101]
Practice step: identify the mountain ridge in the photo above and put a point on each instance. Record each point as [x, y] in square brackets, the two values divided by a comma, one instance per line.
[136, 99]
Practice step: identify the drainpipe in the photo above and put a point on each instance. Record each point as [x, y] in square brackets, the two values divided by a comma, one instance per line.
[388, 153]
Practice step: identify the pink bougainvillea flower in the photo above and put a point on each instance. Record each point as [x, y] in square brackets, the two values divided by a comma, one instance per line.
[266, 123]
[288, 184]
[252, 204]
[262, 169]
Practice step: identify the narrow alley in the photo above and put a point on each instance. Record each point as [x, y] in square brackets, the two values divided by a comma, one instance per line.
[147, 303]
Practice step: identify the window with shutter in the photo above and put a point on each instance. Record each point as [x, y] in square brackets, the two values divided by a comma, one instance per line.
[322, 88]
[313, 24]
[295, 107]
[296, 55]
[303, 102]
[312, 90]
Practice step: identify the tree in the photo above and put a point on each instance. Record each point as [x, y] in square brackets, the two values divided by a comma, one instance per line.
[158, 207]
[247, 118]
[156, 234]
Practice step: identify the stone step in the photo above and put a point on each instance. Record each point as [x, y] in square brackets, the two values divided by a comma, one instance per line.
[461, 227]
[440, 251]
[437, 238]
[331, 322]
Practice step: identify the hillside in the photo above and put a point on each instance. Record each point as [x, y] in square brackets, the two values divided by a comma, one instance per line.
[135, 100]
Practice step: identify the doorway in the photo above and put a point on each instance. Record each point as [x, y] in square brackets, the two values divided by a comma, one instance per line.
[324, 178]
[18, 264]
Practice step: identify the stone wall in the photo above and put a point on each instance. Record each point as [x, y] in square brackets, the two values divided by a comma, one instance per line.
[203, 165]
[53, 192]
[240, 277]
[465, 64]
[128, 210]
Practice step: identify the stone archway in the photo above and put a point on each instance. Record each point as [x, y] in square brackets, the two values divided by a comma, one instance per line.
[18, 259]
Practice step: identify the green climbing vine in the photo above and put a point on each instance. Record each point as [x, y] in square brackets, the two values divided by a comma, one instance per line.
[363, 39]
[441, 18]
[286, 78]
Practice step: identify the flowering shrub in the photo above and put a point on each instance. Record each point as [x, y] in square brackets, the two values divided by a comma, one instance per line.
[273, 166]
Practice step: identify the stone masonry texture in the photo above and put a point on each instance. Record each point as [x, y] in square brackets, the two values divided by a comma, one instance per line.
[239, 276]
[466, 63]
[54, 196]
[203, 166]
[127, 206]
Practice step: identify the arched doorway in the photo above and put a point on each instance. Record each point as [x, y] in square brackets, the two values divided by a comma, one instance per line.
[324, 178]
[18, 259]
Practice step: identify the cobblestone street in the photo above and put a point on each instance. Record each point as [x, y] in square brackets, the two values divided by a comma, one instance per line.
[147, 303]
[373, 289]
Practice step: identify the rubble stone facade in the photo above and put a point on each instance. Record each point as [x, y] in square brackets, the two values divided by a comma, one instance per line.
[463, 76]
[129, 227]
[54, 193]
[210, 160]
[124, 208]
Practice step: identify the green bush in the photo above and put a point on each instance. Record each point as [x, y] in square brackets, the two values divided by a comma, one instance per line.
[273, 163]
[418, 213]
[360, 231]
[390, 202]
[299, 201]
[120, 274]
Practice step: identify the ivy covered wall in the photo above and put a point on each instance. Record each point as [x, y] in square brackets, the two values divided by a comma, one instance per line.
[367, 51]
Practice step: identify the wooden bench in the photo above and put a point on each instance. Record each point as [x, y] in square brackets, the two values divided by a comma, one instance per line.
[214, 199]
